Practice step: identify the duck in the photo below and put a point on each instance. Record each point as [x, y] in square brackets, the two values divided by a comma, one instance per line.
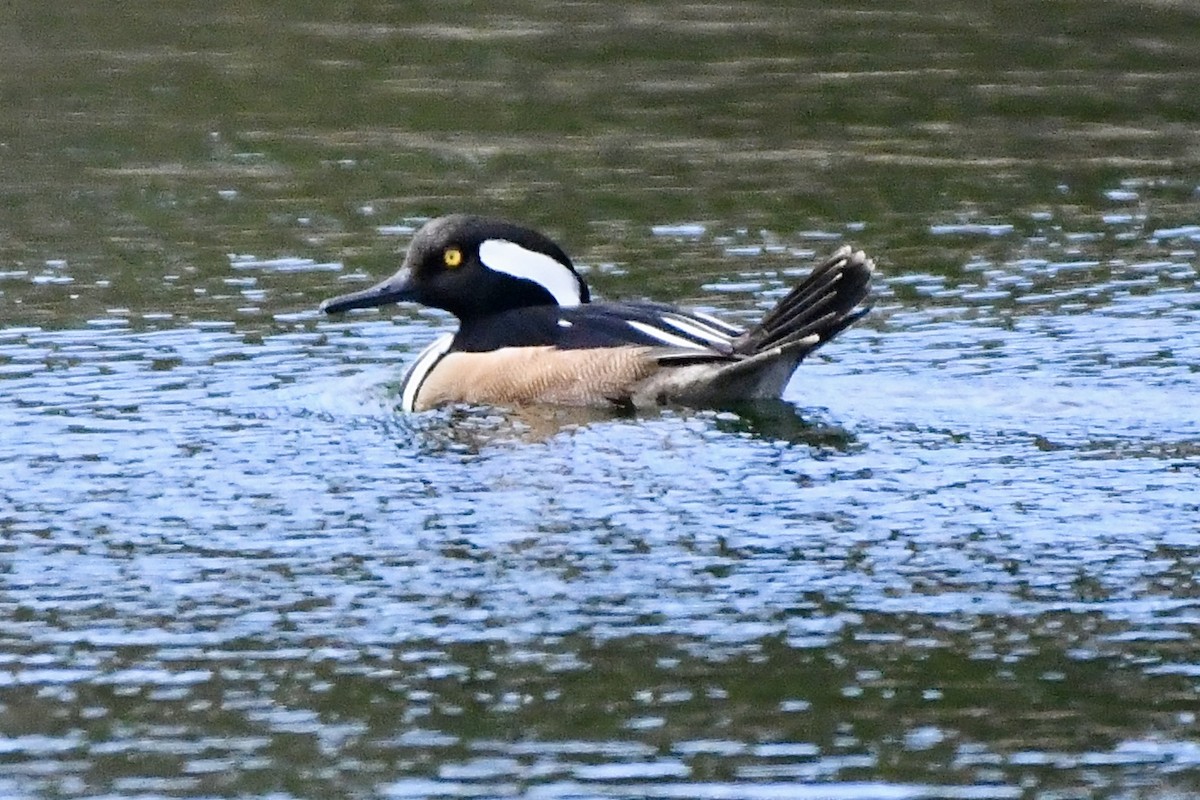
[529, 332]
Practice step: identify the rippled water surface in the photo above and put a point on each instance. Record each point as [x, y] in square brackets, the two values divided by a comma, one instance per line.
[956, 561]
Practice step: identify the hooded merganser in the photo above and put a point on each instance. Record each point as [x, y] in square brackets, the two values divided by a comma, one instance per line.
[528, 332]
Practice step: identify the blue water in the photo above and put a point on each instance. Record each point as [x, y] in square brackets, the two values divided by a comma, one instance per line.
[957, 560]
[218, 547]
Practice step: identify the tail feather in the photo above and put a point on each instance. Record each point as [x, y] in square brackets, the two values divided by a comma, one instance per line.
[823, 305]
[764, 357]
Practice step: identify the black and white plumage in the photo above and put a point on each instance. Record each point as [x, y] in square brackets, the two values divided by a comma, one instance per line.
[529, 332]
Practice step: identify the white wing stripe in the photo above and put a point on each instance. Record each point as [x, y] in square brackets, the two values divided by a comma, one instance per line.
[697, 328]
[512, 259]
[719, 324]
[664, 336]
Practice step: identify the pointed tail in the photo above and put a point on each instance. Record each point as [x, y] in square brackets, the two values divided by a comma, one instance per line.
[821, 307]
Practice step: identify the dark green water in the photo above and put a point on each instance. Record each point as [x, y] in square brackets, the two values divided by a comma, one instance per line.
[957, 562]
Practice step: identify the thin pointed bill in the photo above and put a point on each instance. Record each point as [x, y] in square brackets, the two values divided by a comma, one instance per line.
[396, 289]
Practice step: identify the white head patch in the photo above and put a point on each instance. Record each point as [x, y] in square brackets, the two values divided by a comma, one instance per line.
[510, 258]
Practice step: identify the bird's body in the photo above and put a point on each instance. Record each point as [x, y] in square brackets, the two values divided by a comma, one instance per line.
[529, 333]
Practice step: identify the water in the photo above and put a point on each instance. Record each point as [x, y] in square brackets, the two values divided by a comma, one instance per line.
[958, 561]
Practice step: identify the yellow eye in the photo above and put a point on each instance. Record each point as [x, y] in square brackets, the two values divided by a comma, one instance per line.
[452, 257]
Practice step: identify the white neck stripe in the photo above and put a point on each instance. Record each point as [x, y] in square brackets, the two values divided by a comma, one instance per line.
[421, 368]
[510, 258]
